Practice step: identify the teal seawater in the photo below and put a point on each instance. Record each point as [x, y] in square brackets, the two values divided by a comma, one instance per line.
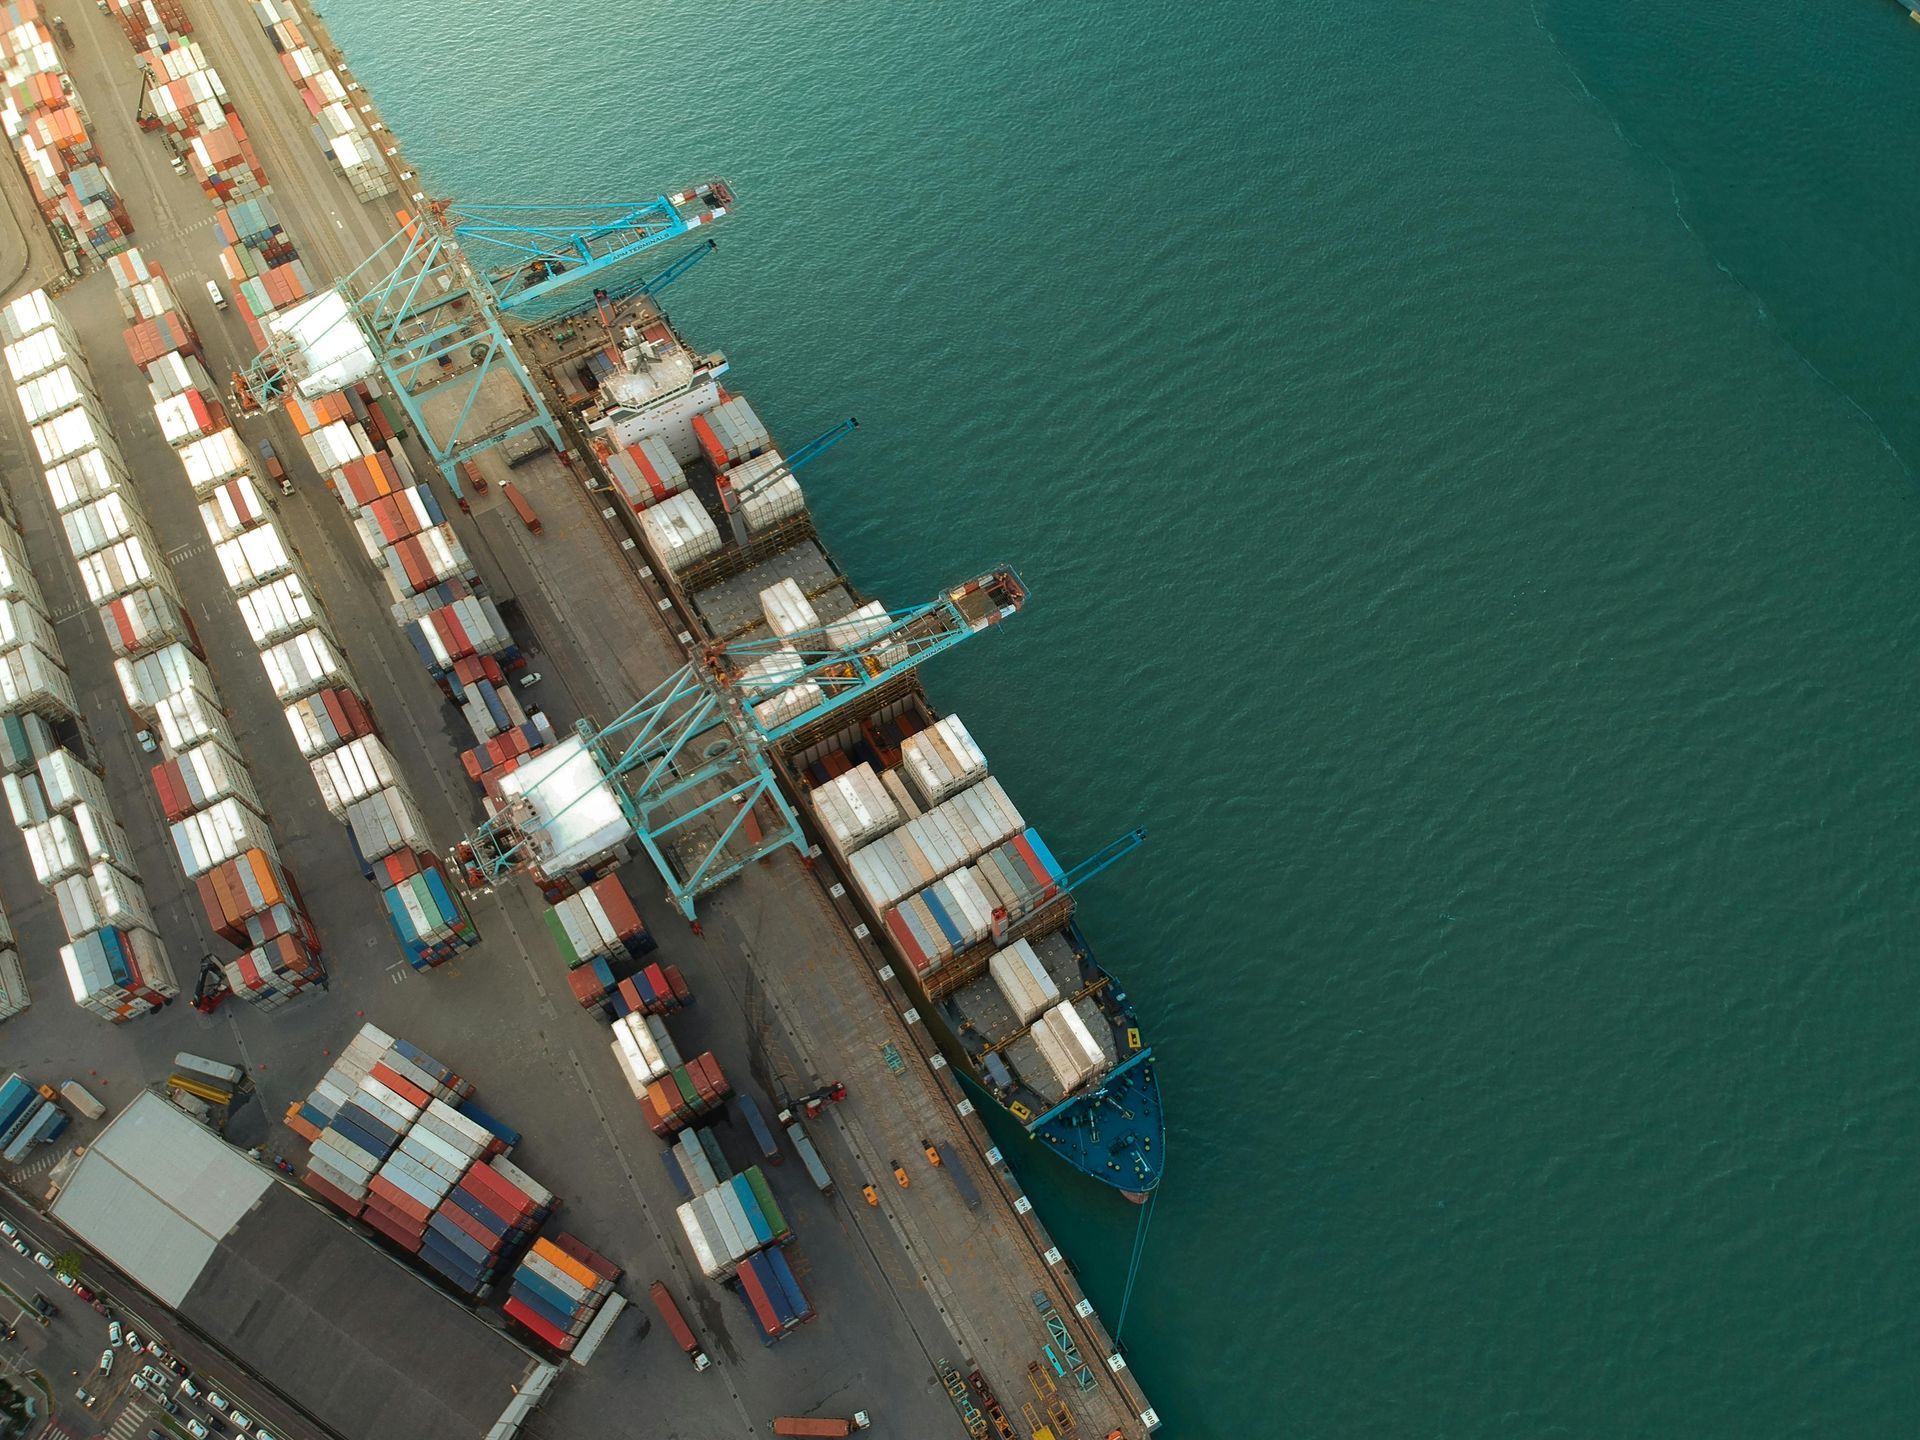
[1456, 453]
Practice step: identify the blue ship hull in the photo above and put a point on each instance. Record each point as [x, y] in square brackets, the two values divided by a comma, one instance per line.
[1115, 1130]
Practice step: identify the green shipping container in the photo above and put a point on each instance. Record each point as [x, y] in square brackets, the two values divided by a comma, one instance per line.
[689, 1097]
[763, 1193]
[559, 932]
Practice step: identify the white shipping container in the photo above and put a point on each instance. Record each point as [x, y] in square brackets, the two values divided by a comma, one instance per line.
[123, 899]
[33, 310]
[788, 610]
[217, 834]
[211, 773]
[54, 850]
[855, 808]
[278, 609]
[169, 670]
[679, 531]
[23, 740]
[128, 565]
[101, 838]
[14, 996]
[38, 353]
[704, 1254]
[31, 679]
[255, 557]
[387, 822]
[22, 623]
[353, 772]
[301, 665]
[67, 783]
[187, 416]
[232, 507]
[26, 798]
[175, 373]
[942, 760]
[88, 476]
[188, 719]
[49, 394]
[99, 523]
[220, 456]
[1023, 981]
[71, 432]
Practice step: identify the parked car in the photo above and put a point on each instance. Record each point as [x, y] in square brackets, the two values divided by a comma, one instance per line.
[43, 1260]
[106, 1361]
[113, 1332]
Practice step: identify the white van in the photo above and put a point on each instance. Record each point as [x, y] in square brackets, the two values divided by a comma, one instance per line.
[213, 294]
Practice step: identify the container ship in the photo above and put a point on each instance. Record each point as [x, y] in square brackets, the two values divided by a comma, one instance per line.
[978, 914]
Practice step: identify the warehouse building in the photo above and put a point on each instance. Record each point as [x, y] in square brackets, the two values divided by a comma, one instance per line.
[296, 1298]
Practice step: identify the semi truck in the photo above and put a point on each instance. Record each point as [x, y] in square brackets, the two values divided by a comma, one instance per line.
[677, 1326]
[809, 1425]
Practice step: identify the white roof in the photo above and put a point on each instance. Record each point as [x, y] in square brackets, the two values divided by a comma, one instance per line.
[329, 338]
[156, 1193]
[572, 802]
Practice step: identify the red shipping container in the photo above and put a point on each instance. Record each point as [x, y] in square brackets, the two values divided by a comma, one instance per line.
[679, 984]
[403, 1204]
[903, 941]
[662, 987]
[620, 912]
[499, 1195]
[585, 985]
[334, 1196]
[539, 1327]
[631, 994]
[756, 1294]
[405, 1239]
[401, 1086]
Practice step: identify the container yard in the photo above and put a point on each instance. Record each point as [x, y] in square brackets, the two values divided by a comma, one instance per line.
[315, 635]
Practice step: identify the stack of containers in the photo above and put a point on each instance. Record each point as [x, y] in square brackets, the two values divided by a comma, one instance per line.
[162, 675]
[421, 907]
[436, 598]
[941, 761]
[678, 531]
[684, 1094]
[1067, 1045]
[645, 473]
[599, 922]
[651, 990]
[559, 1288]
[143, 20]
[694, 1162]
[186, 98]
[1023, 981]
[339, 129]
[734, 1230]
[355, 775]
[934, 845]
[49, 131]
[13, 980]
[397, 1143]
[115, 964]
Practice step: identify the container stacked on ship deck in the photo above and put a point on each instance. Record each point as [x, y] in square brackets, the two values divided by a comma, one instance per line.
[49, 130]
[115, 964]
[342, 134]
[940, 854]
[398, 1144]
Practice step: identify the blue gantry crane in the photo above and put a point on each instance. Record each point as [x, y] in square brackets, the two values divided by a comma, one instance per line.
[427, 311]
[1006, 917]
[691, 765]
[736, 494]
[534, 258]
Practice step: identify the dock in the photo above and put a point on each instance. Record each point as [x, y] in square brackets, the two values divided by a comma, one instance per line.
[792, 991]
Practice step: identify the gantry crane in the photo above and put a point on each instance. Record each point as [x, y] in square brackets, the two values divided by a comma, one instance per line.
[1007, 917]
[427, 312]
[691, 766]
